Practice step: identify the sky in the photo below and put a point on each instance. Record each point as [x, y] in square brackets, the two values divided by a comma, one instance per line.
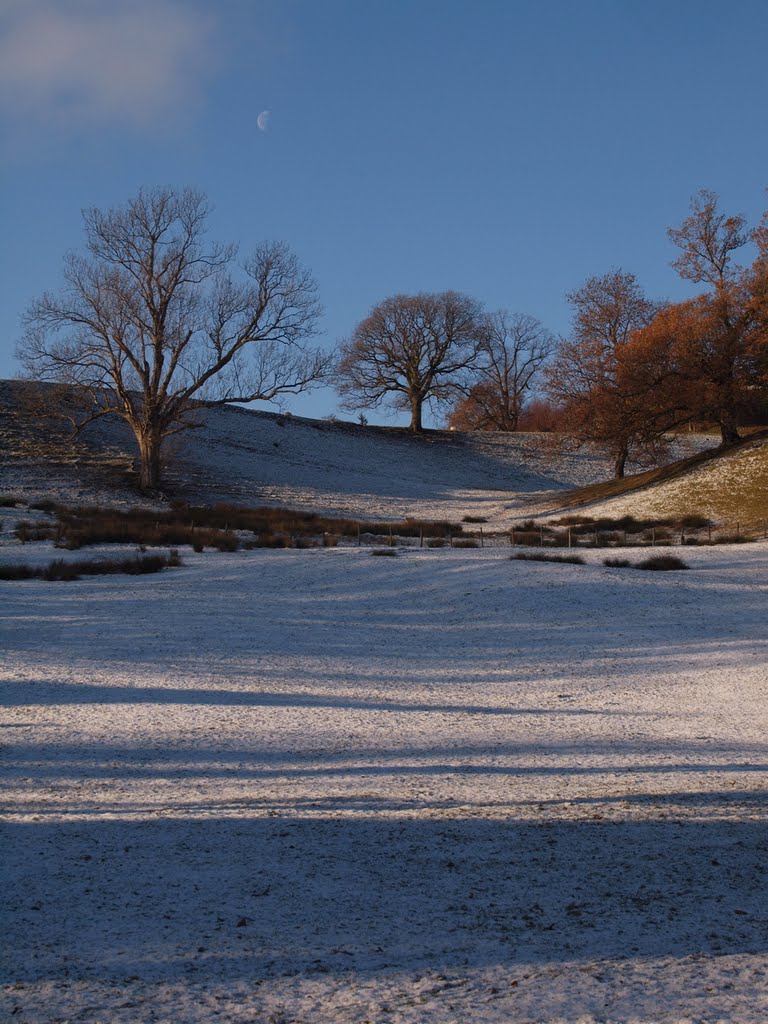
[508, 149]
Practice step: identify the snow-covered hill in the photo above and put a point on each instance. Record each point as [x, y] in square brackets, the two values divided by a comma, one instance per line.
[339, 468]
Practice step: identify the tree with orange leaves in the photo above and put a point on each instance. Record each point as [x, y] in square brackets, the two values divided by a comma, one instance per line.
[605, 381]
[719, 335]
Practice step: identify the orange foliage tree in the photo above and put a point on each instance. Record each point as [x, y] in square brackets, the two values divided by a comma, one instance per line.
[716, 334]
[612, 383]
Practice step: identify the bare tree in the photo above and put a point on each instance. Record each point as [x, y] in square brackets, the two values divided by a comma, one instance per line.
[412, 348]
[152, 320]
[706, 239]
[513, 349]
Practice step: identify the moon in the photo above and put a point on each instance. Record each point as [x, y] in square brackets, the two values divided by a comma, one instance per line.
[263, 120]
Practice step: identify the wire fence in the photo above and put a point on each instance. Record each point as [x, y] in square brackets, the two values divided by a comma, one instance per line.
[581, 536]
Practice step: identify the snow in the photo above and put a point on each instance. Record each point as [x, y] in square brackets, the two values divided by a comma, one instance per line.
[256, 458]
[305, 786]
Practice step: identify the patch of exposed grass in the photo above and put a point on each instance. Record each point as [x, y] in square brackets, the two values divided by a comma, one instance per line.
[384, 552]
[569, 559]
[662, 563]
[63, 570]
[222, 527]
[617, 563]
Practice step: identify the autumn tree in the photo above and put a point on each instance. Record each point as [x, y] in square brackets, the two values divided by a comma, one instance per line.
[154, 317]
[410, 350]
[604, 383]
[716, 330]
[513, 349]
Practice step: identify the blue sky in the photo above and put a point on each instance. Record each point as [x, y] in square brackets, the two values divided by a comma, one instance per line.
[505, 149]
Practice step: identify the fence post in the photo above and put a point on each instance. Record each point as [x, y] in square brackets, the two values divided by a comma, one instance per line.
[653, 536]
[541, 536]
[709, 532]
[358, 534]
[391, 542]
[421, 537]
[569, 536]
[512, 537]
[738, 527]
[482, 542]
[682, 536]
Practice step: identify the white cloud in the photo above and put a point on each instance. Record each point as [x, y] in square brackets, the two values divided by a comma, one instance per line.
[72, 64]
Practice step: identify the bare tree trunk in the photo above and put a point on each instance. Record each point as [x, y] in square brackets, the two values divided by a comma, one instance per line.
[416, 407]
[620, 464]
[150, 443]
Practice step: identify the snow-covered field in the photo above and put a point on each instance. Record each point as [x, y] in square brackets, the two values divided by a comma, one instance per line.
[317, 786]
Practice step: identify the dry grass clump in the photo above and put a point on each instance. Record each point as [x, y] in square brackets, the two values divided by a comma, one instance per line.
[27, 532]
[662, 563]
[617, 563]
[384, 552]
[570, 559]
[61, 570]
[466, 542]
[221, 527]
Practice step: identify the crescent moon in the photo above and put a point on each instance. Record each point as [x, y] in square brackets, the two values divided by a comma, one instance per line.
[263, 120]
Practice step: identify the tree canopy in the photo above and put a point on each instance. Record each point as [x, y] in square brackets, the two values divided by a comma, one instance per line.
[410, 350]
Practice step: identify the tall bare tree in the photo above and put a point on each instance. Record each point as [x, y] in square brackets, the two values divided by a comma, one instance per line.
[411, 349]
[513, 349]
[153, 319]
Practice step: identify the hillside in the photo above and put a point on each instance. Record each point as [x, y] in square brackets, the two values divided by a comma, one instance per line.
[334, 467]
[728, 487]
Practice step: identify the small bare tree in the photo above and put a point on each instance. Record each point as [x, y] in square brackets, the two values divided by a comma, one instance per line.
[513, 349]
[152, 320]
[412, 348]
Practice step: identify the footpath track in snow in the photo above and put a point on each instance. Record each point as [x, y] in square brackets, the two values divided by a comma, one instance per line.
[304, 786]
